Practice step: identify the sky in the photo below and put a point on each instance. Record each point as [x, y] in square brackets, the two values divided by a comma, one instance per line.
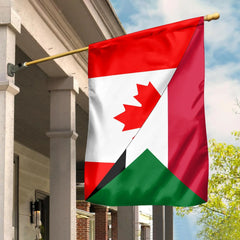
[222, 63]
[222, 48]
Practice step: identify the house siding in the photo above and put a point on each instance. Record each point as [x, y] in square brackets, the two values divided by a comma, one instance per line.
[33, 175]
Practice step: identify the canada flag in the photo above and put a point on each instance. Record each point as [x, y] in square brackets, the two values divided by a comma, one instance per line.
[147, 141]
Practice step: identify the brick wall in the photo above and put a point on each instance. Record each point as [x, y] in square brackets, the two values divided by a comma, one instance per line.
[83, 223]
[101, 222]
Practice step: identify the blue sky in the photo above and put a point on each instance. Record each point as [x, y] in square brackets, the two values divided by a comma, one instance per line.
[222, 48]
[222, 59]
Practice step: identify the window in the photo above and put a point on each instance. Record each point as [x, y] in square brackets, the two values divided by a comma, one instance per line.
[44, 200]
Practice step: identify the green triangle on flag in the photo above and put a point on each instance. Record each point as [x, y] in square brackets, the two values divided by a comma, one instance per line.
[140, 182]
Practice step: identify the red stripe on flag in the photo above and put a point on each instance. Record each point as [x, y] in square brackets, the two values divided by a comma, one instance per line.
[152, 49]
[187, 141]
[94, 172]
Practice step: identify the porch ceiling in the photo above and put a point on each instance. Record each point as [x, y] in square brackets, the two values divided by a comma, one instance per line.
[50, 27]
[32, 111]
[78, 16]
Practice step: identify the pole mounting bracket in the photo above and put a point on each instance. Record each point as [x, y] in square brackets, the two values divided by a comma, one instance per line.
[12, 69]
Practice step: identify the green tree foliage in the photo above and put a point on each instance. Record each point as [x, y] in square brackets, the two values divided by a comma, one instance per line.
[220, 216]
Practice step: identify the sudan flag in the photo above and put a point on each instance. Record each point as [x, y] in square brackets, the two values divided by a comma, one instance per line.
[147, 140]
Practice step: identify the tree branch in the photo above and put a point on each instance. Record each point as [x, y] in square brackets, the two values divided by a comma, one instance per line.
[211, 209]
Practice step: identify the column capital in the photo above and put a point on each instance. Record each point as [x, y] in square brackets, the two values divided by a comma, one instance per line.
[63, 83]
[10, 18]
[9, 87]
[62, 134]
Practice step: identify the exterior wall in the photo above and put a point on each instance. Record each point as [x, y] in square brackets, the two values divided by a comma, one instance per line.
[145, 232]
[145, 220]
[83, 224]
[101, 222]
[33, 175]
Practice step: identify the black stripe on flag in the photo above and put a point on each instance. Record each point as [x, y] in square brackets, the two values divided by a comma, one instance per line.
[117, 168]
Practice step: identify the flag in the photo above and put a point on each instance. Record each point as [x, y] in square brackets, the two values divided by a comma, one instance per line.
[147, 141]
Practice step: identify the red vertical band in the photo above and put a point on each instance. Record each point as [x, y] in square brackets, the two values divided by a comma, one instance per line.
[187, 141]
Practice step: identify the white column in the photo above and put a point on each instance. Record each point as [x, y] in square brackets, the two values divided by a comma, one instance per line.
[158, 222]
[9, 25]
[162, 223]
[62, 158]
[169, 223]
[128, 223]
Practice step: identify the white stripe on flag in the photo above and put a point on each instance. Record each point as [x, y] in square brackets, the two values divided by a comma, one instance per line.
[153, 134]
[106, 140]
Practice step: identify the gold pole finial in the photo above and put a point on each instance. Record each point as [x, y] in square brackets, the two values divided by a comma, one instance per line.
[213, 16]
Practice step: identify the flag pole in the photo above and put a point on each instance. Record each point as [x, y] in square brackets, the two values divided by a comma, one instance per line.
[55, 56]
[12, 69]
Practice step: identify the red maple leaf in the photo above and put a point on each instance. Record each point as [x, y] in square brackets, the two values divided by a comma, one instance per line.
[134, 116]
